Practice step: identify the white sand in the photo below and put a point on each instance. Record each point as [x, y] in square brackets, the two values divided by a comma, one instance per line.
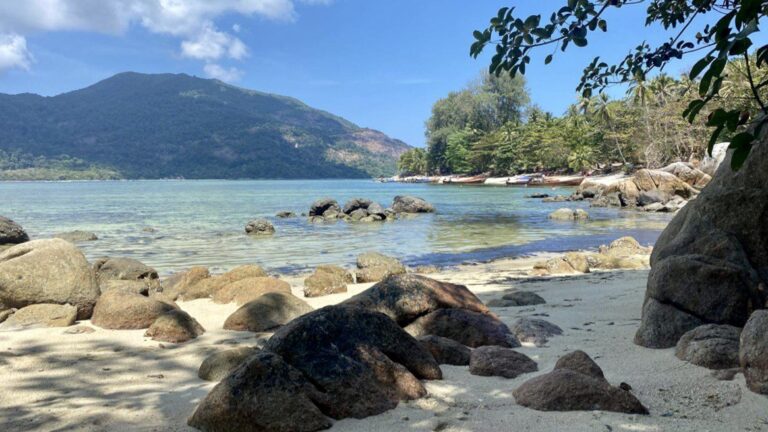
[119, 380]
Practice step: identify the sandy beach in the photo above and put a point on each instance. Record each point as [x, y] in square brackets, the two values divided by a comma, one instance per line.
[121, 380]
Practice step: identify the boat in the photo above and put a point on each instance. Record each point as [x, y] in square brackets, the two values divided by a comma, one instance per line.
[520, 180]
[496, 181]
[558, 180]
[467, 180]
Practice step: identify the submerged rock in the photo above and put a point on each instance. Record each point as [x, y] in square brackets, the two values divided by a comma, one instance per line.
[569, 214]
[267, 312]
[174, 326]
[217, 366]
[259, 227]
[499, 361]
[11, 232]
[77, 236]
[711, 346]
[285, 214]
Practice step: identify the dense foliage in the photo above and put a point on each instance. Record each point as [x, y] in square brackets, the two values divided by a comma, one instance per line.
[167, 126]
[23, 166]
[731, 36]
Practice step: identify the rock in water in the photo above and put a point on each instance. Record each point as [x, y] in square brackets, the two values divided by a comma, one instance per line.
[407, 297]
[217, 366]
[123, 310]
[410, 204]
[11, 232]
[576, 385]
[373, 267]
[77, 236]
[47, 271]
[710, 265]
[42, 315]
[259, 227]
[446, 351]
[327, 279]
[267, 312]
[467, 327]
[174, 326]
[285, 214]
[323, 206]
[534, 330]
[569, 214]
[753, 352]
[262, 394]
[356, 204]
[711, 346]
[246, 290]
[499, 361]
[362, 360]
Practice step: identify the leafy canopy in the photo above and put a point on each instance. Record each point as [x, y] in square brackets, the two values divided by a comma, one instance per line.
[516, 38]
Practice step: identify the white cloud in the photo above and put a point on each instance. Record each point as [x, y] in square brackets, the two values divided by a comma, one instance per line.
[13, 52]
[214, 70]
[236, 28]
[192, 21]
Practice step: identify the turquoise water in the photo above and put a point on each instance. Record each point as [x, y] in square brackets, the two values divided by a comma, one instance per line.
[201, 222]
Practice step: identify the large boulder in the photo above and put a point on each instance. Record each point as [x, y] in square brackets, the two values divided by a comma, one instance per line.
[373, 267]
[710, 265]
[753, 352]
[122, 310]
[576, 384]
[47, 271]
[323, 207]
[267, 312]
[174, 326]
[327, 279]
[356, 204]
[42, 315]
[11, 232]
[407, 297]
[259, 227]
[500, 361]
[246, 290]
[467, 327]
[711, 346]
[217, 366]
[264, 393]
[689, 174]
[410, 204]
[446, 351]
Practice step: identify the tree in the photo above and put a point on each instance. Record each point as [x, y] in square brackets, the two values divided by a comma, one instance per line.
[413, 162]
[730, 37]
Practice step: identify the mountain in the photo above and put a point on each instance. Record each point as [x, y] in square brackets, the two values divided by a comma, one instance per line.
[167, 125]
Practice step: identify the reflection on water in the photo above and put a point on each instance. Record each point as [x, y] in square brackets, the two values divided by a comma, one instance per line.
[201, 222]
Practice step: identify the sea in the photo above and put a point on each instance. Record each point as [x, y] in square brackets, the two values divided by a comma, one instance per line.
[172, 225]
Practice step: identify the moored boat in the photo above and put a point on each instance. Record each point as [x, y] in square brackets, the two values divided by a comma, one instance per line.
[558, 180]
[496, 181]
[467, 180]
[519, 180]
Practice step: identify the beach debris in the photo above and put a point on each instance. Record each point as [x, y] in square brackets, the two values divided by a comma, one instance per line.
[267, 312]
[712, 346]
[217, 366]
[373, 267]
[534, 330]
[11, 232]
[576, 384]
[327, 279]
[47, 271]
[259, 227]
[752, 352]
[467, 327]
[174, 326]
[41, 315]
[500, 361]
[248, 289]
[446, 351]
[123, 310]
[517, 299]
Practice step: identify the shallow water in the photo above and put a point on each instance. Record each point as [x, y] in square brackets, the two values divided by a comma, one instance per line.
[201, 222]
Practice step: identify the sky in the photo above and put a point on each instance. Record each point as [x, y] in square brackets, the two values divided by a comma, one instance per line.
[379, 63]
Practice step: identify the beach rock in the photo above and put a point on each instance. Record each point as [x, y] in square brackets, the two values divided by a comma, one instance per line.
[573, 387]
[579, 361]
[411, 204]
[267, 312]
[356, 204]
[363, 361]
[534, 330]
[217, 366]
[264, 393]
[405, 298]
[123, 269]
[174, 326]
[689, 174]
[327, 279]
[42, 315]
[249, 289]
[607, 262]
[373, 267]
[519, 298]
[358, 215]
[753, 352]
[624, 247]
[376, 209]
[259, 227]
[77, 236]
[711, 346]
[710, 164]
[663, 325]
[121, 310]
[556, 265]
[47, 271]
[500, 361]
[655, 207]
[187, 285]
[5, 314]
[612, 199]
[285, 214]
[646, 198]
[11, 232]
[446, 351]
[563, 214]
[426, 269]
[578, 261]
[467, 327]
[138, 287]
[323, 206]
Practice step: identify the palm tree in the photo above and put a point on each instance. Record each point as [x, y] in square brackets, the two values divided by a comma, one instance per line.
[604, 112]
[640, 94]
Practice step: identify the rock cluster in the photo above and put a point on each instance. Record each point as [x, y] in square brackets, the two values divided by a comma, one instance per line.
[622, 253]
[197, 282]
[365, 210]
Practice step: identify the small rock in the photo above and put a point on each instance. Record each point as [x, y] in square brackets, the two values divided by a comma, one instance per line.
[327, 279]
[500, 361]
[285, 214]
[174, 326]
[267, 312]
[79, 329]
[518, 298]
[259, 227]
[248, 289]
[42, 315]
[11, 232]
[569, 214]
[534, 330]
[410, 204]
[77, 236]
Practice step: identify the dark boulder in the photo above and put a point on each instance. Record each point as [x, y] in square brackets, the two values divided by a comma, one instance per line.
[753, 352]
[446, 351]
[651, 197]
[285, 214]
[174, 326]
[410, 204]
[467, 327]
[217, 366]
[663, 325]
[517, 298]
[711, 346]
[267, 312]
[356, 204]
[11, 232]
[500, 361]
[323, 206]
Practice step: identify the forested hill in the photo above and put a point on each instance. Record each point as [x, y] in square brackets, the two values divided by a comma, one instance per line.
[164, 126]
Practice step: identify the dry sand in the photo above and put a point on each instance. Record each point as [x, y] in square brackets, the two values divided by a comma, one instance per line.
[120, 380]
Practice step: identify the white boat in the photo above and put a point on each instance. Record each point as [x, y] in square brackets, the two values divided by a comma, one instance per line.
[496, 181]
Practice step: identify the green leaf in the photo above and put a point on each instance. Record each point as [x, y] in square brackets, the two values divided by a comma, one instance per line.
[603, 25]
[548, 59]
[739, 156]
[713, 139]
[699, 66]
[579, 42]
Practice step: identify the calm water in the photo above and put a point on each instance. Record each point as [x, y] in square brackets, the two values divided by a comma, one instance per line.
[201, 222]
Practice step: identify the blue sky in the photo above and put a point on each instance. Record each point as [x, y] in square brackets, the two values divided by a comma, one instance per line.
[380, 64]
